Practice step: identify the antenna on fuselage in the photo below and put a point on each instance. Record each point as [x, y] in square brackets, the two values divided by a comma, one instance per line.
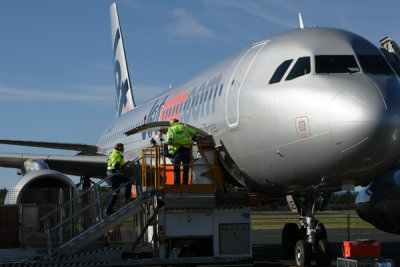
[301, 21]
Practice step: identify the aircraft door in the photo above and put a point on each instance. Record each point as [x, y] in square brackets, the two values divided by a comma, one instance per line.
[236, 82]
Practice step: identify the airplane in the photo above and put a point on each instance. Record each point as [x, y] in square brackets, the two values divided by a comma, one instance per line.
[298, 115]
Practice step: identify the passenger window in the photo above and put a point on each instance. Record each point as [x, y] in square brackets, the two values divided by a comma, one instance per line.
[302, 67]
[280, 71]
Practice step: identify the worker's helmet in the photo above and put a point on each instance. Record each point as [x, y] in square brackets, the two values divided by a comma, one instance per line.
[119, 147]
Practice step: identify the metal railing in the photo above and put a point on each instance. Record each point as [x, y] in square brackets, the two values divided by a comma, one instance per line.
[79, 213]
[157, 174]
[19, 223]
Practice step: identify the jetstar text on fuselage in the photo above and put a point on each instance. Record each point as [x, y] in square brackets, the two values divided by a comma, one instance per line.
[187, 106]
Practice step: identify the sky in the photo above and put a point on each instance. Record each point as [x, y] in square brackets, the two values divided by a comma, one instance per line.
[56, 76]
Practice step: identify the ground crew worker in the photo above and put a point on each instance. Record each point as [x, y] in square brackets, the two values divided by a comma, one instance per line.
[179, 135]
[116, 163]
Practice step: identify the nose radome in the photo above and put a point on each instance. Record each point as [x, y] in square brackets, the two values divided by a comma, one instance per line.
[360, 107]
[353, 116]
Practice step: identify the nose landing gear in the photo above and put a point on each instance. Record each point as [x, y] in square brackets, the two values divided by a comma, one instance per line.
[310, 241]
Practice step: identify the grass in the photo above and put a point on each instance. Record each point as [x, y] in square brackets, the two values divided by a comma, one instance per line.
[330, 219]
[261, 220]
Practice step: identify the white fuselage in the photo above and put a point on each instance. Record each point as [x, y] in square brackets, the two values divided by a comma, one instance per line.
[315, 128]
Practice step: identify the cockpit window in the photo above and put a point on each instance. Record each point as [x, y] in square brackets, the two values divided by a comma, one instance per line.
[302, 67]
[374, 64]
[336, 64]
[280, 71]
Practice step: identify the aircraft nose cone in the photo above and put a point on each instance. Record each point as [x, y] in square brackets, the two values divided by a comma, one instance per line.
[351, 119]
[358, 115]
[364, 121]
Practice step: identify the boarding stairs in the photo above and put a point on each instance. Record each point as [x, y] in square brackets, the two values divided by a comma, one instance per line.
[81, 220]
[197, 210]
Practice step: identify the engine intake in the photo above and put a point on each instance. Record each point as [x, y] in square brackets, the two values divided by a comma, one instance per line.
[37, 176]
[379, 202]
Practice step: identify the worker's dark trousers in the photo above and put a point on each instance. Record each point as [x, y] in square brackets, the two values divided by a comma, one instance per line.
[181, 156]
[115, 181]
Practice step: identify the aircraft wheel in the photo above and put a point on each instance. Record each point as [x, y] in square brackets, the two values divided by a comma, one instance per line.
[303, 253]
[290, 235]
[323, 257]
[322, 232]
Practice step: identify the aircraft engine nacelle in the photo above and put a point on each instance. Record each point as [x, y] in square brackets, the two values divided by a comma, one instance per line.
[37, 176]
[379, 202]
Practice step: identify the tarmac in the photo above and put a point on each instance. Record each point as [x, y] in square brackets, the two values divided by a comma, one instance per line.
[267, 249]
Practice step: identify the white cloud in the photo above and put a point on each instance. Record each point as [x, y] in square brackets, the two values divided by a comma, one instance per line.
[268, 13]
[187, 25]
[103, 89]
[79, 94]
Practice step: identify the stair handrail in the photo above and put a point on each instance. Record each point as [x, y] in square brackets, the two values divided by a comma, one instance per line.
[95, 202]
[97, 199]
[139, 200]
[84, 192]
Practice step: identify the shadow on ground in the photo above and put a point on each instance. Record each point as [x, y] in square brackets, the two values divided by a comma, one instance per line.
[272, 254]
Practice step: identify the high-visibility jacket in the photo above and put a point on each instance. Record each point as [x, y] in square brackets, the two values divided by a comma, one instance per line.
[179, 134]
[114, 158]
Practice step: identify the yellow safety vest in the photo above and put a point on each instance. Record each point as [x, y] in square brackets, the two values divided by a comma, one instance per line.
[179, 134]
[114, 158]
